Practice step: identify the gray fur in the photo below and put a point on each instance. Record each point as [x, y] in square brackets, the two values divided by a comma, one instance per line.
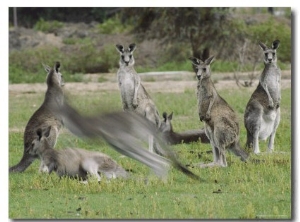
[133, 94]
[262, 113]
[127, 133]
[43, 117]
[221, 122]
[173, 138]
[74, 162]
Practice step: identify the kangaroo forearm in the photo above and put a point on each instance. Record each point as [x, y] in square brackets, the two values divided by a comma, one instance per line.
[136, 89]
[211, 102]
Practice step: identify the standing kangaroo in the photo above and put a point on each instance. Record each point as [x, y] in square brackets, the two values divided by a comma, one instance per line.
[133, 94]
[174, 138]
[262, 113]
[73, 162]
[43, 117]
[221, 122]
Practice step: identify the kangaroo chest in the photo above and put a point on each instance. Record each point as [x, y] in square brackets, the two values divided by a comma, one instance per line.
[205, 94]
[271, 79]
[127, 86]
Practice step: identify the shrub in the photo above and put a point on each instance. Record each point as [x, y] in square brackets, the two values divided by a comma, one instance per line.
[270, 30]
[47, 26]
[113, 26]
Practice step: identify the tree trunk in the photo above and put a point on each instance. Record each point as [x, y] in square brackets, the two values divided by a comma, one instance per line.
[15, 18]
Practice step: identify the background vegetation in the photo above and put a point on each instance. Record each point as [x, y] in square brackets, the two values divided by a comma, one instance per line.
[231, 34]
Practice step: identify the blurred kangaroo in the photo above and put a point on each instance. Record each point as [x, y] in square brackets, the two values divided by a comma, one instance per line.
[73, 162]
[262, 113]
[127, 133]
[221, 122]
[174, 138]
[133, 94]
[43, 117]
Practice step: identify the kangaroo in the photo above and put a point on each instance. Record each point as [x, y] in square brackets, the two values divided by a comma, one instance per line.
[133, 94]
[221, 122]
[127, 133]
[174, 138]
[262, 113]
[73, 162]
[43, 117]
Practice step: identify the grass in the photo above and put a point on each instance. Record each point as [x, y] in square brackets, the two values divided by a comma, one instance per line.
[240, 191]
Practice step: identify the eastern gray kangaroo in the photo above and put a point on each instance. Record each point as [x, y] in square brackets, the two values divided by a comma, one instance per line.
[127, 133]
[173, 138]
[73, 162]
[262, 113]
[133, 94]
[43, 117]
[221, 122]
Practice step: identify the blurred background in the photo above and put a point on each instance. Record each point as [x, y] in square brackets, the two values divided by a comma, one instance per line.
[84, 39]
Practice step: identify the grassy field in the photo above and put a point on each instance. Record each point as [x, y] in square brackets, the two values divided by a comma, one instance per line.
[241, 191]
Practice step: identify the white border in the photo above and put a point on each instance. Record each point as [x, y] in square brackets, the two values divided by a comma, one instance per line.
[131, 3]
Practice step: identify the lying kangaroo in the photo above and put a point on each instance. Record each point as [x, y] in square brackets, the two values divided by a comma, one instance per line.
[127, 133]
[221, 122]
[134, 95]
[73, 162]
[43, 117]
[174, 138]
[262, 114]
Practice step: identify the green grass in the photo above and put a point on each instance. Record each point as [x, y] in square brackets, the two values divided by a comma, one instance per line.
[240, 191]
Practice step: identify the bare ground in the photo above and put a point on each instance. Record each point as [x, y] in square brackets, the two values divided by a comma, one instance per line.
[174, 82]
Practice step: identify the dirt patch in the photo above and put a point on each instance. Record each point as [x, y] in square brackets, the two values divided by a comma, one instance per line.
[173, 82]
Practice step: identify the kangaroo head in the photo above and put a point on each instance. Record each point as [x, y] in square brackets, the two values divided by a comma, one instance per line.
[270, 53]
[54, 76]
[126, 55]
[40, 142]
[166, 125]
[202, 68]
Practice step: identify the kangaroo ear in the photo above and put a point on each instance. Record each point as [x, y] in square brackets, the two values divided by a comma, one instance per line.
[195, 61]
[120, 48]
[57, 66]
[209, 60]
[47, 68]
[262, 45]
[164, 116]
[275, 44]
[132, 47]
[46, 132]
[39, 132]
[170, 116]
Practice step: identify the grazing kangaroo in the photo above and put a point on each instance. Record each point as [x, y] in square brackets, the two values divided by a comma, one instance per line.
[262, 113]
[73, 162]
[133, 94]
[127, 133]
[221, 122]
[174, 138]
[43, 117]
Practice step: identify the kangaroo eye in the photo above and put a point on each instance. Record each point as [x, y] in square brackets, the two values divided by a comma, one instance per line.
[273, 53]
[130, 56]
[204, 69]
[122, 57]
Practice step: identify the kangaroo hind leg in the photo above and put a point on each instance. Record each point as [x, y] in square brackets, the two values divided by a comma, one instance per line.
[91, 166]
